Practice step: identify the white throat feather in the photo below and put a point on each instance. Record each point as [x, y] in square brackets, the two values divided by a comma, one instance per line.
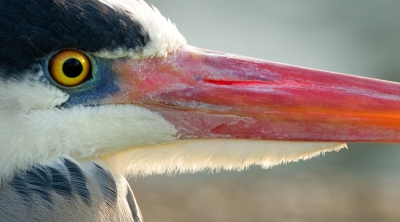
[130, 139]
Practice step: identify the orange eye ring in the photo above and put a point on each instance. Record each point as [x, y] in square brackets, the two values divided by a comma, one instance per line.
[69, 67]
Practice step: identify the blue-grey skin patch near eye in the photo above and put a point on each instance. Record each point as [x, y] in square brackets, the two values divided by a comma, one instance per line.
[101, 84]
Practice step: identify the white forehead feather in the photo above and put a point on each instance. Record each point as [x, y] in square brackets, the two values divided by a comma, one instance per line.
[164, 36]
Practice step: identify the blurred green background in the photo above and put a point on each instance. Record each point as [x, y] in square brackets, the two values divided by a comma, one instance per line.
[362, 183]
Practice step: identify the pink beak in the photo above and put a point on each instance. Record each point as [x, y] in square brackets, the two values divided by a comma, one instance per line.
[207, 94]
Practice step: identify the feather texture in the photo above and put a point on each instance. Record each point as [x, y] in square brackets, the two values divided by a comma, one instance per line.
[66, 190]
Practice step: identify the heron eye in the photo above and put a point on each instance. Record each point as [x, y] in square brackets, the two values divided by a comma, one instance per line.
[69, 67]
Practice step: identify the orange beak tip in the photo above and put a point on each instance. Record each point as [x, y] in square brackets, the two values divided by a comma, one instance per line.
[207, 94]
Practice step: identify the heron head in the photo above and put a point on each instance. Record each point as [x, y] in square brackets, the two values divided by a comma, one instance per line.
[116, 80]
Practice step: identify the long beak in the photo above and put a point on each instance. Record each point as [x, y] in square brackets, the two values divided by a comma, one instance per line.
[207, 94]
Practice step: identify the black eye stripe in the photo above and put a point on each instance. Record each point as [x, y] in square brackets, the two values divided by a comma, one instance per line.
[32, 29]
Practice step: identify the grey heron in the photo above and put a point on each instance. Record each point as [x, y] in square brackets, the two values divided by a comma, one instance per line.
[95, 90]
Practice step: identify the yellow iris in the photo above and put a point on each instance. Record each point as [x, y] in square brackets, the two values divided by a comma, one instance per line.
[69, 67]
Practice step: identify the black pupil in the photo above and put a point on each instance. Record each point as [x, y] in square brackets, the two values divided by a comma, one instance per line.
[72, 68]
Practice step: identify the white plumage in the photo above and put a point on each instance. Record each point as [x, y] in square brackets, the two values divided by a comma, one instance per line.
[38, 137]
[107, 130]
[165, 37]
